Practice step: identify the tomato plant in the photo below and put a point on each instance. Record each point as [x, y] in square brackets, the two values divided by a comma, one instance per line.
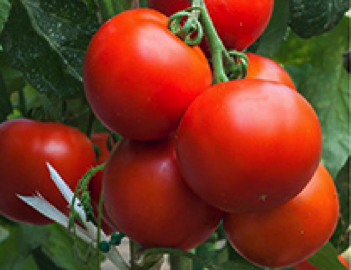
[100, 140]
[248, 145]
[238, 23]
[146, 197]
[274, 238]
[260, 67]
[26, 146]
[114, 64]
[134, 72]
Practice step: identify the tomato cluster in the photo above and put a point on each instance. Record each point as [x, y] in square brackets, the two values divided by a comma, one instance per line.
[245, 151]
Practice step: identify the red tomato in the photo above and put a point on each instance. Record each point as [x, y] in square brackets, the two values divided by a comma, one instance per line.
[149, 201]
[139, 77]
[290, 233]
[306, 265]
[100, 139]
[248, 145]
[238, 23]
[261, 67]
[26, 146]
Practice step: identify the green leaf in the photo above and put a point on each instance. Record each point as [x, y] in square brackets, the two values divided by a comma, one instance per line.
[11, 257]
[66, 252]
[47, 40]
[43, 261]
[341, 237]
[28, 247]
[269, 42]
[312, 18]
[4, 12]
[326, 258]
[325, 84]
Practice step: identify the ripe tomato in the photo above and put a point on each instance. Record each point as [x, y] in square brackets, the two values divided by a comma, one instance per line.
[238, 23]
[290, 233]
[149, 201]
[26, 146]
[306, 265]
[261, 67]
[248, 145]
[139, 77]
[100, 139]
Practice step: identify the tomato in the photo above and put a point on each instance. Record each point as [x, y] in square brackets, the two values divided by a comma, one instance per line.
[149, 201]
[26, 146]
[261, 67]
[306, 265]
[290, 233]
[100, 140]
[238, 23]
[139, 77]
[248, 145]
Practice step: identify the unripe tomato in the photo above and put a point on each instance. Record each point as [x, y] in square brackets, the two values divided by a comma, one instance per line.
[238, 23]
[288, 234]
[26, 146]
[148, 200]
[100, 140]
[248, 145]
[260, 67]
[139, 77]
[306, 265]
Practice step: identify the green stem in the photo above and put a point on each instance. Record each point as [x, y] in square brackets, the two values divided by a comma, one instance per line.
[215, 44]
[224, 63]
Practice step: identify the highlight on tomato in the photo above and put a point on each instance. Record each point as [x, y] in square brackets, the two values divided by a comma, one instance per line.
[289, 234]
[146, 197]
[26, 146]
[139, 77]
[248, 145]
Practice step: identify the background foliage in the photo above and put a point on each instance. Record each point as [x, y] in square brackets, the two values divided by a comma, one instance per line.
[42, 47]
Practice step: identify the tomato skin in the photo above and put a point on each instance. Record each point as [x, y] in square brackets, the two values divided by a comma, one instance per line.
[148, 200]
[248, 145]
[139, 77]
[100, 140]
[26, 146]
[238, 23]
[290, 233]
[306, 265]
[260, 67]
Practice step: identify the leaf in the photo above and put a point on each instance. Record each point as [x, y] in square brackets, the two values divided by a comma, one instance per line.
[325, 84]
[269, 42]
[341, 237]
[47, 40]
[43, 261]
[4, 12]
[326, 259]
[67, 252]
[312, 18]
[11, 257]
